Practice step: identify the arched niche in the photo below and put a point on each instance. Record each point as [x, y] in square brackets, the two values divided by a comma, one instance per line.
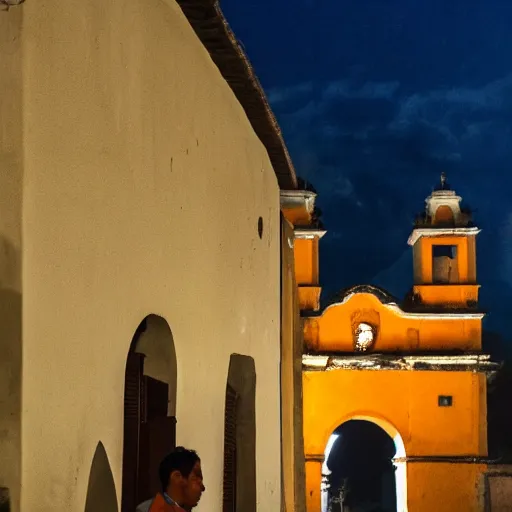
[149, 409]
[101, 490]
[239, 491]
[393, 447]
[155, 341]
[444, 216]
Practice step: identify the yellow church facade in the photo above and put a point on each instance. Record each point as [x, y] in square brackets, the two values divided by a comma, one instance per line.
[413, 369]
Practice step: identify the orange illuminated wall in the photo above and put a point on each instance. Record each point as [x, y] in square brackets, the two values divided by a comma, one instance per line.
[408, 400]
[404, 403]
[332, 331]
[306, 261]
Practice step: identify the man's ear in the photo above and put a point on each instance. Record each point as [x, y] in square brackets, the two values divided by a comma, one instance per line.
[175, 477]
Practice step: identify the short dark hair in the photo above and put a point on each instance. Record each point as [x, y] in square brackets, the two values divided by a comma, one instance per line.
[181, 460]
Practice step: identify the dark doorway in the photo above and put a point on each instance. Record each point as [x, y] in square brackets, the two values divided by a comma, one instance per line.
[362, 471]
[239, 486]
[149, 410]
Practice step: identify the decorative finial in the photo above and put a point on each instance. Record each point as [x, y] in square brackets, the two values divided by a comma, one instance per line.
[443, 185]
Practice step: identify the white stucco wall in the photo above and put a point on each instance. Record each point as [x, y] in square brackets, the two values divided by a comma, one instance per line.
[143, 184]
[11, 161]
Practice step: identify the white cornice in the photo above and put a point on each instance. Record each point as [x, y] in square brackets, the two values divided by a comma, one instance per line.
[444, 195]
[309, 234]
[314, 361]
[296, 198]
[293, 194]
[435, 232]
[382, 361]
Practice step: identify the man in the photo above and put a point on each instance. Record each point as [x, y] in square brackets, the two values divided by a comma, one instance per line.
[182, 483]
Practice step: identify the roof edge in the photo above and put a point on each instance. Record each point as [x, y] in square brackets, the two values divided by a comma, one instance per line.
[214, 32]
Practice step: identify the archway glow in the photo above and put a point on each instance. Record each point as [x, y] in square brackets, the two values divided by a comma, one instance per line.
[398, 460]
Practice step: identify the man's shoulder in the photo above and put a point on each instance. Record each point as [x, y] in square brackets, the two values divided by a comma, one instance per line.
[145, 506]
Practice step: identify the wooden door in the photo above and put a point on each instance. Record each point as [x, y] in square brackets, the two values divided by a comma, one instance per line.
[230, 462]
[133, 414]
[158, 436]
[149, 434]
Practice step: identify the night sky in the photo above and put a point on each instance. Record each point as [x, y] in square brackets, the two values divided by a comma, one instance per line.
[375, 98]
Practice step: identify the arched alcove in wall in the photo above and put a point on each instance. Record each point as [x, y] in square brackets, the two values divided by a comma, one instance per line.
[101, 490]
[364, 466]
[149, 409]
[155, 342]
[444, 216]
[239, 491]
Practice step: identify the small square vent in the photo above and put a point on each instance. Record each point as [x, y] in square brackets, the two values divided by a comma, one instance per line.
[445, 400]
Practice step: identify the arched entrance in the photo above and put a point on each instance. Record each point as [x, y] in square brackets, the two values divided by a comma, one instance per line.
[149, 409]
[364, 469]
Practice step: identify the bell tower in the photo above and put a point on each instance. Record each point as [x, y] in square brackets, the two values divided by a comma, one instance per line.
[444, 253]
[298, 207]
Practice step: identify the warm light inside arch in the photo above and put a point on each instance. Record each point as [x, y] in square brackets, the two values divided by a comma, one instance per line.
[399, 460]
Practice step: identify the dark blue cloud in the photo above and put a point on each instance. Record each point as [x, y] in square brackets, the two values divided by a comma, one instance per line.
[374, 153]
[424, 45]
[375, 99]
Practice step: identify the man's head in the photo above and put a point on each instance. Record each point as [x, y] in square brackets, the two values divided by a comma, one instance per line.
[181, 477]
